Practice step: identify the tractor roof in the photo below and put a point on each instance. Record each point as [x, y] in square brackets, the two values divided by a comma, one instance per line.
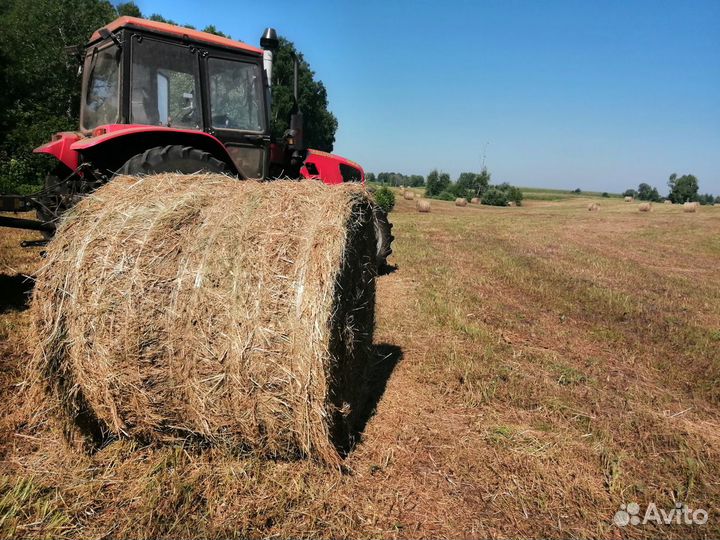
[175, 31]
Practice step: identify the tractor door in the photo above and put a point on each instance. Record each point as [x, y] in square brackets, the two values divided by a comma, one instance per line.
[235, 109]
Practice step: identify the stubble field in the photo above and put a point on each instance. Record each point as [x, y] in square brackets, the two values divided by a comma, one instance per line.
[537, 367]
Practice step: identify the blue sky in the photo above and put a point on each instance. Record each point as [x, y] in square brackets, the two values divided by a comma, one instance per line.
[596, 95]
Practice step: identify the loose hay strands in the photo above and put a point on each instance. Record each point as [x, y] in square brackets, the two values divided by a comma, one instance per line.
[645, 207]
[460, 201]
[203, 307]
[423, 206]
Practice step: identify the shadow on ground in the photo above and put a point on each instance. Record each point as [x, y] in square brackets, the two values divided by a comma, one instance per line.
[386, 358]
[15, 292]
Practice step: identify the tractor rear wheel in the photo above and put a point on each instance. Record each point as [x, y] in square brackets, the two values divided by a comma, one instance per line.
[172, 158]
[383, 233]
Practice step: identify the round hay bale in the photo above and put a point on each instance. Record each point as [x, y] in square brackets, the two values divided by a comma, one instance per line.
[690, 207]
[461, 201]
[593, 207]
[423, 206]
[511, 203]
[200, 307]
[629, 199]
[408, 195]
[475, 200]
[645, 207]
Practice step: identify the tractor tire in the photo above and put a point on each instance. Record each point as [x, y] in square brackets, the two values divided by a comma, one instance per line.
[174, 158]
[383, 234]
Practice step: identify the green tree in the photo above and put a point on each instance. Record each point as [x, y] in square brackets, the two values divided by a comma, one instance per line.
[211, 29]
[683, 188]
[128, 9]
[370, 177]
[320, 123]
[630, 193]
[471, 184]
[40, 88]
[645, 192]
[436, 183]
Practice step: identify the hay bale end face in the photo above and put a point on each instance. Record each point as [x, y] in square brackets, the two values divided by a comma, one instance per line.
[423, 206]
[198, 306]
[645, 207]
[460, 201]
[408, 195]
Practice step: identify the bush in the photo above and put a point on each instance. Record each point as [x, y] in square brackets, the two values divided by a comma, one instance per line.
[385, 198]
[606, 194]
[495, 197]
[446, 196]
[19, 176]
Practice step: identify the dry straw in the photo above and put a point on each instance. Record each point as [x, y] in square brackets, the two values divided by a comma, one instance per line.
[423, 206]
[199, 307]
[645, 207]
[408, 195]
[461, 201]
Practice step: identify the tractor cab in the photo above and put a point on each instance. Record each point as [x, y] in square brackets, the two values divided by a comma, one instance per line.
[146, 73]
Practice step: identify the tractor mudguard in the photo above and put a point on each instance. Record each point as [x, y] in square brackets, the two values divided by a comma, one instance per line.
[115, 144]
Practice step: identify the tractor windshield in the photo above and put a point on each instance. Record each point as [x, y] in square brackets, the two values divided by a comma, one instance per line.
[165, 85]
[235, 95]
[100, 100]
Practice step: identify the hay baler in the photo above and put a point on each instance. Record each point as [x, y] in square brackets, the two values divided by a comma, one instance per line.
[163, 98]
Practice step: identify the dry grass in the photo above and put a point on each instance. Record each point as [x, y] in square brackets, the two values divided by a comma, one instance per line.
[548, 375]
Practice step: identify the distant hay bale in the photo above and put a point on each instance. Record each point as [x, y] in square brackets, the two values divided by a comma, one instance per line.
[593, 207]
[629, 199]
[408, 195]
[237, 313]
[645, 207]
[690, 207]
[667, 201]
[511, 203]
[461, 201]
[423, 206]
[475, 200]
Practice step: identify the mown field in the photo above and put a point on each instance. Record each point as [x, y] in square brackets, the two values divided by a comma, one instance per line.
[536, 368]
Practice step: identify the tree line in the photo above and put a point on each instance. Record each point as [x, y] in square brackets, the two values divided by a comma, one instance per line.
[685, 188]
[468, 185]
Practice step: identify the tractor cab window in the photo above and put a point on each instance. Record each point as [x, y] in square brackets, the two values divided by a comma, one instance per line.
[235, 95]
[100, 100]
[165, 89]
[350, 174]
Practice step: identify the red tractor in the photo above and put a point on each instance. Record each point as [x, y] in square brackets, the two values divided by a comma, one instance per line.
[162, 98]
